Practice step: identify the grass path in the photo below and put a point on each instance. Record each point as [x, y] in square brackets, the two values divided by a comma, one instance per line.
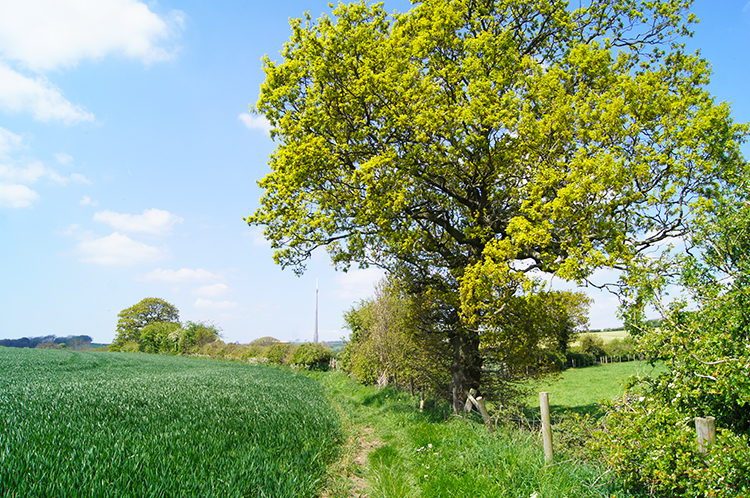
[394, 451]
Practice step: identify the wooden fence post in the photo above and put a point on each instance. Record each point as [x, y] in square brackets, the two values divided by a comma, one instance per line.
[546, 426]
[479, 403]
[705, 429]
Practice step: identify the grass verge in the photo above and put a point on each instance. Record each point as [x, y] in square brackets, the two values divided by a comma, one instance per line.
[434, 454]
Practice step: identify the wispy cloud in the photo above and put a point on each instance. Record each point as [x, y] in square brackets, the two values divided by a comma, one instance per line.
[16, 177]
[255, 122]
[181, 275]
[87, 201]
[357, 284]
[38, 97]
[119, 250]
[214, 305]
[39, 36]
[63, 158]
[211, 290]
[153, 221]
[44, 35]
[17, 196]
[9, 141]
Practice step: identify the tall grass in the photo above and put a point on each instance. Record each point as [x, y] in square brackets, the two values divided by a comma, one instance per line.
[107, 424]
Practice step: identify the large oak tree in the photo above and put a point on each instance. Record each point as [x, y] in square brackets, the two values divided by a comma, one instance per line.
[466, 143]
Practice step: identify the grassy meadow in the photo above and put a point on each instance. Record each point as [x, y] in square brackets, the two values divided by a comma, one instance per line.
[113, 424]
[434, 454]
[579, 390]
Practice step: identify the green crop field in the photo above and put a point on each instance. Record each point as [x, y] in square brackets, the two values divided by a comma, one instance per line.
[112, 424]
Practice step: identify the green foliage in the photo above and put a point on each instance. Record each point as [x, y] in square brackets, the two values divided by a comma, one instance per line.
[312, 355]
[706, 346]
[132, 320]
[154, 337]
[591, 344]
[264, 341]
[278, 352]
[391, 341]
[530, 339]
[464, 144]
[78, 342]
[100, 424]
[653, 446]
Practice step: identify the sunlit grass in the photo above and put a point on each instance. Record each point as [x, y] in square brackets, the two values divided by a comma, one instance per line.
[581, 389]
[106, 424]
[434, 454]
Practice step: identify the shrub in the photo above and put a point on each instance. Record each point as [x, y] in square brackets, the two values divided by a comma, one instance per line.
[279, 352]
[312, 355]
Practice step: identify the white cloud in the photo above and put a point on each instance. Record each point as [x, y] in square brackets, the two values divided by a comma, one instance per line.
[63, 158]
[255, 122]
[35, 170]
[214, 305]
[43, 35]
[153, 221]
[26, 174]
[357, 284]
[117, 249]
[16, 196]
[45, 102]
[181, 275]
[9, 141]
[15, 180]
[211, 290]
[86, 201]
[79, 178]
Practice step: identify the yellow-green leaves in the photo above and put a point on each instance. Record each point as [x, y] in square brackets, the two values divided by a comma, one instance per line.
[462, 137]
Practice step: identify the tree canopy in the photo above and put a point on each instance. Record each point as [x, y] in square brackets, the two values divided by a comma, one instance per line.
[466, 144]
[149, 310]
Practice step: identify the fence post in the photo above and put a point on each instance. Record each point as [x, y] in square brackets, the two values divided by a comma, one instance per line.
[705, 429]
[469, 399]
[485, 414]
[546, 426]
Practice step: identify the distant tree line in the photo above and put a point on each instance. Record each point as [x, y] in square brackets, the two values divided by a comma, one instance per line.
[49, 341]
[153, 326]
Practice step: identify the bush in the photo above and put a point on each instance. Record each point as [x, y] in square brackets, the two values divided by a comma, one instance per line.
[653, 446]
[649, 438]
[278, 352]
[581, 359]
[620, 347]
[591, 344]
[311, 355]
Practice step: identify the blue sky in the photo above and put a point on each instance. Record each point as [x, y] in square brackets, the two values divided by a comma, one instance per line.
[128, 159]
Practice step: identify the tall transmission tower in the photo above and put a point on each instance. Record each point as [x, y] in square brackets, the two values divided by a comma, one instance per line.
[315, 330]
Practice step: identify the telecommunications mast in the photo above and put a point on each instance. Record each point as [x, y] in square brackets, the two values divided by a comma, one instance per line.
[315, 330]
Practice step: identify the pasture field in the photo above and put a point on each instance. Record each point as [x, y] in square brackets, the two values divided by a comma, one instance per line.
[581, 389]
[610, 335]
[114, 424]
